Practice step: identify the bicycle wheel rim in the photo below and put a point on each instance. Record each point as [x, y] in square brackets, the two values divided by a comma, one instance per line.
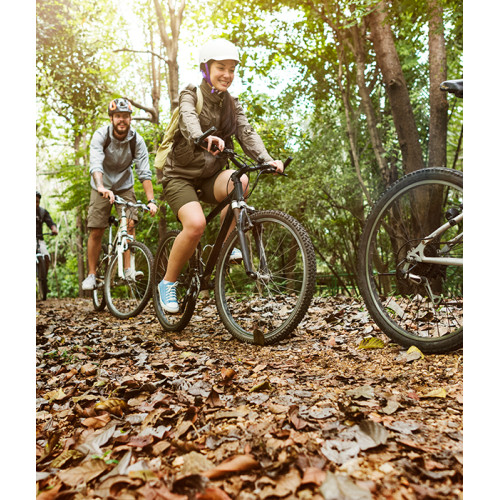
[268, 309]
[128, 297]
[186, 291]
[425, 308]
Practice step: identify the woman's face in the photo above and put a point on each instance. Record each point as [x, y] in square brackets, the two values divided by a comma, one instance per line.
[222, 74]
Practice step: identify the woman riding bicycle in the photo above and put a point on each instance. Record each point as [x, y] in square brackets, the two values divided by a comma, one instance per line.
[189, 168]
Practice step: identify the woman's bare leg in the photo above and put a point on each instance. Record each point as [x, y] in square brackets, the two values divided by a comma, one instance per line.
[193, 224]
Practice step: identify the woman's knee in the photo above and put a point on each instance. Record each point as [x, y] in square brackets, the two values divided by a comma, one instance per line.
[244, 182]
[195, 227]
[193, 220]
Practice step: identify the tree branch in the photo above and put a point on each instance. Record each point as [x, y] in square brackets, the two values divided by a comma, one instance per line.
[151, 111]
[143, 52]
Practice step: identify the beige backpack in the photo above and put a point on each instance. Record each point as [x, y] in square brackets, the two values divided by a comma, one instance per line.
[168, 136]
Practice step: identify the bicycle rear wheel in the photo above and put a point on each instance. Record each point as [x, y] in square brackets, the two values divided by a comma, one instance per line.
[187, 288]
[41, 279]
[267, 309]
[415, 303]
[98, 298]
[126, 298]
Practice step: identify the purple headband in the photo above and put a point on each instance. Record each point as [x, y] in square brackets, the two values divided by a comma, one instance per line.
[206, 75]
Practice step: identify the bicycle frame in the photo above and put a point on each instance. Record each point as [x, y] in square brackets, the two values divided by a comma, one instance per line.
[119, 244]
[240, 211]
[417, 254]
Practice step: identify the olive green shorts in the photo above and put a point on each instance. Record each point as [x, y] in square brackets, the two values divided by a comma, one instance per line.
[100, 208]
[180, 191]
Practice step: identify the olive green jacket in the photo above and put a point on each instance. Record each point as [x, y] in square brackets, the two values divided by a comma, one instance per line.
[192, 162]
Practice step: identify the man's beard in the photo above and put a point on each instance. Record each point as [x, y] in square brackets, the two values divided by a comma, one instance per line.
[121, 134]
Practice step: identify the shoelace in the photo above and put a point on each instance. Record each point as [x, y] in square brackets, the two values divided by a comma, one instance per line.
[171, 293]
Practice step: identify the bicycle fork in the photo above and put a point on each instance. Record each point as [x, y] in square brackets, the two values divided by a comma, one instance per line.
[244, 221]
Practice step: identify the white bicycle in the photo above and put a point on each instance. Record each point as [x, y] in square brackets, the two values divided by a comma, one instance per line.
[125, 294]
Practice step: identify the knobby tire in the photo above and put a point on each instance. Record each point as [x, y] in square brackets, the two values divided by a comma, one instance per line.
[187, 289]
[98, 296]
[127, 298]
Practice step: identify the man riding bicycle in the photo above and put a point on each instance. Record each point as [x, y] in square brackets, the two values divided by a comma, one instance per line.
[42, 215]
[113, 150]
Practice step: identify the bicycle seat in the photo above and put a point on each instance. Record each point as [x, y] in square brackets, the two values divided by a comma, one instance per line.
[453, 86]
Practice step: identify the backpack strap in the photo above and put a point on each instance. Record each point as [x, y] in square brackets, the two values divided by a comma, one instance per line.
[107, 141]
[132, 143]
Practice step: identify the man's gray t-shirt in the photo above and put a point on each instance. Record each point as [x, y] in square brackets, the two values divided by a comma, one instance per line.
[116, 161]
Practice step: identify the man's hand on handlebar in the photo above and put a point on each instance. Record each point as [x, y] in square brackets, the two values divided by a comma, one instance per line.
[106, 193]
[152, 208]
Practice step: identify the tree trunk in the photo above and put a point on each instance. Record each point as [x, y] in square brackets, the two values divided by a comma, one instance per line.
[171, 43]
[437, 99]
[397, 92]
[359, 50]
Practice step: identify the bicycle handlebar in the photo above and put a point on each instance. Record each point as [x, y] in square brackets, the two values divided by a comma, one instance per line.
[139, 204]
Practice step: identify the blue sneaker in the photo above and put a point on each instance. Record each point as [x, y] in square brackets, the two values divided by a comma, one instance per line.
[168, 296]
[236, 255]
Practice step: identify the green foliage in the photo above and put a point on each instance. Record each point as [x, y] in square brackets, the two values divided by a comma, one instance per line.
[300, 70]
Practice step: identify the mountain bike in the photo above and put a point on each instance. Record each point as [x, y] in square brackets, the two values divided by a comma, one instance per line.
[42, 288]
[262, 298]
[410, 258]
[125, 295]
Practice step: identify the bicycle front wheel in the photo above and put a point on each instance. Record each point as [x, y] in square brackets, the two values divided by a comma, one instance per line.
[187, 290]
[413, 302]
[127, 297]
[266, 308]
[98, 298]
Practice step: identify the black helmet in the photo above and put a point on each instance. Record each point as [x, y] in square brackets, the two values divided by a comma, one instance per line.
[38, 195]
[119, 105]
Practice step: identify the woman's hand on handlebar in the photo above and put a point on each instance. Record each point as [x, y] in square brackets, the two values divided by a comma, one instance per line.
[106, 193]
[215, 145]
[278, 164]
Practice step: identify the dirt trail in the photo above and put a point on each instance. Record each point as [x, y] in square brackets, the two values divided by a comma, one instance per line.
[127, 411]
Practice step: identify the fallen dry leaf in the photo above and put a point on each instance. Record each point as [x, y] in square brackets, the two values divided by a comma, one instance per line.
[238, 463]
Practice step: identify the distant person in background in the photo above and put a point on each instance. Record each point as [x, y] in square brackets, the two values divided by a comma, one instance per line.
[42, 216]
[113, 150]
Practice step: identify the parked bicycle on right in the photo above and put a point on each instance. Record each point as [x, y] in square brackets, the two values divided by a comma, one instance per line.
[410, 258]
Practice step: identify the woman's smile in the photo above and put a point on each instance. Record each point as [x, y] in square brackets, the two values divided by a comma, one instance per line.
[222, 74]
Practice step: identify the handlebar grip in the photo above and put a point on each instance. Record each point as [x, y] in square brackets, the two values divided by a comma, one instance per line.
[204, 135]
[287, 162]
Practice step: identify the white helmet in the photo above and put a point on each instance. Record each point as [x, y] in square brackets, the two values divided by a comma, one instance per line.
[218, 50]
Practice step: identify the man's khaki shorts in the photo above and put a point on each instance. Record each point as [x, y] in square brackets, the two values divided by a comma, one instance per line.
[100, 208]
[179, 191]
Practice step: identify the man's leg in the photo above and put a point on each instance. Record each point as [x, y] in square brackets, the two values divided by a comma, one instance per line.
[94, 247]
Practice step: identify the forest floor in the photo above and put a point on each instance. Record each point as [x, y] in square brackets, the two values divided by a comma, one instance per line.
[125, 410]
